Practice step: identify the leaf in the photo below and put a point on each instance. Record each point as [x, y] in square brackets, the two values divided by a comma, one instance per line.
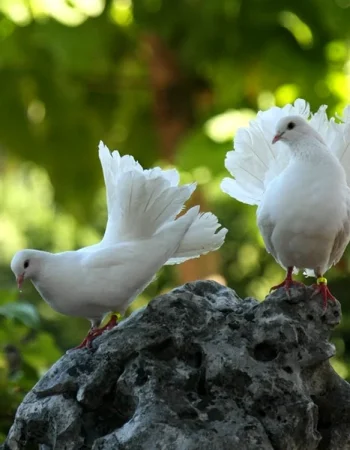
[24, 312]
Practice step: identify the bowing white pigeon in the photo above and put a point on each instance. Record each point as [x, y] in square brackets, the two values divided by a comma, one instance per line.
[142, 234]
[297, 172]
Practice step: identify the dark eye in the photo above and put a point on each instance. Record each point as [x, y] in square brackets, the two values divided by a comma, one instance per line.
[291, 125]
[26, 263]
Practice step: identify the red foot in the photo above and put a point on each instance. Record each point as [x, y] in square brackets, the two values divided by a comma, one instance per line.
[288, 282]
[113, 321]
[322, 288]
[87, 340]
[94, 332]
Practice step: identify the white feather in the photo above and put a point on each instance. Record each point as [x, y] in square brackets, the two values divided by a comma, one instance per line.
[142, 204]
[341, 141]
[142, 234]
[303, 195]
[255, 162]
[142, 201]
[201, 238]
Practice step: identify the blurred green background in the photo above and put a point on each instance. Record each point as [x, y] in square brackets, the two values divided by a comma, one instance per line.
[168, 82]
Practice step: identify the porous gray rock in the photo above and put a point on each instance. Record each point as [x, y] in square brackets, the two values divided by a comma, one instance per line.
[197, 369]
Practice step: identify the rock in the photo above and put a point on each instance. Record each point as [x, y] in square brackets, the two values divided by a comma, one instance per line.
[198, 368]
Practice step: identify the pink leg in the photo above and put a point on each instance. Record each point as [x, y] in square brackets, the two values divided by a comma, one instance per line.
[94, 332]
[288, 281]
[87, 340]
[113, 321]
[322, 288]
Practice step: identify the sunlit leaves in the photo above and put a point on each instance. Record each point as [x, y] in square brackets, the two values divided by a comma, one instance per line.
[24, 312]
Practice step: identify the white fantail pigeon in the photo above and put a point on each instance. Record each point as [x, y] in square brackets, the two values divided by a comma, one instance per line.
[142, 234]
[298, 173]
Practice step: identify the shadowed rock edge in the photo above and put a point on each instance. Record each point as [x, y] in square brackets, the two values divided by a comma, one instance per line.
[198, 368]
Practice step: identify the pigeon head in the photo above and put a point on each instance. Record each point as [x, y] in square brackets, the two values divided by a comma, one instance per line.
[25, 264]
[292, 129]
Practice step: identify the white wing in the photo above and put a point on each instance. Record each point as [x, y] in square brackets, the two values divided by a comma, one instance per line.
[339, 140]
[141, 205]
[142, 202]
[139, 201]
[114, 166]
[255, 161]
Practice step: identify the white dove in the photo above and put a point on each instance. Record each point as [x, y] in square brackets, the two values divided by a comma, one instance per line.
[299, 184]
[142, 234]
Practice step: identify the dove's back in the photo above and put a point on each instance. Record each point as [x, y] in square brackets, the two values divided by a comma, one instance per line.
[108, 279]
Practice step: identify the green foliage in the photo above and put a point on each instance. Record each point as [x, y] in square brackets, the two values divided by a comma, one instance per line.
[75, 72]
[24, 312]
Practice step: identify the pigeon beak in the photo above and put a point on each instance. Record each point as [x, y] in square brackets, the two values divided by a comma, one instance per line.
[277, 138]
[20, 280]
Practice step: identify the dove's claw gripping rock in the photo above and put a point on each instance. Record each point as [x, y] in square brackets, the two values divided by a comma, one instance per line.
[94, 332]
[87, 340]
[113, 321]
[288, 282]
[322, 288]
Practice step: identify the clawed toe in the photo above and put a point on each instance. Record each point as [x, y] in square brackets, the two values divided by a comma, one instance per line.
[322, 288]
[95, 332]
[287, 284]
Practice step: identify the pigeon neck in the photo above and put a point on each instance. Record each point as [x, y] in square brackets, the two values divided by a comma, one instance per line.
[310, 151]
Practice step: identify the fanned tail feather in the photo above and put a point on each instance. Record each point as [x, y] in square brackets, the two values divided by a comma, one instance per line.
[142, 205]
[202, 237]
[114, 166]
[341, 141]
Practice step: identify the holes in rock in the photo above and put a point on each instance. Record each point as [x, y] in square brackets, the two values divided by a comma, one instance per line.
[234, 325]
[73, 371]
[202, 391]
[37, 431]
[115, 410]
[249, 317]
[188, 413]
[265, 351]
[196, 360]
[192, 355]
[215, 414]
[191, 397]
[141, 376]
[164, 350]
[201, 387]
[287, 369]
[310, 317]
[234, 381]
[302, 337]
[240, 382]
